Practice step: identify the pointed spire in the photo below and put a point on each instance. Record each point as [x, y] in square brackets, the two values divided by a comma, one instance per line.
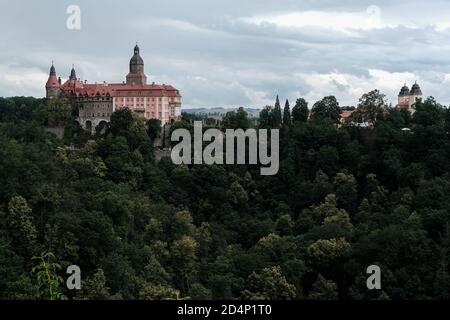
[52, 81]
[73, 75]
[52, 70]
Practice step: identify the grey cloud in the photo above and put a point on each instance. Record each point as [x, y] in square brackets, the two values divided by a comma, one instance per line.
[211, 55]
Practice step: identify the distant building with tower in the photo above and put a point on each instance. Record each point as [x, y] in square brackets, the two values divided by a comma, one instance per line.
[408, 98]
[96, 102]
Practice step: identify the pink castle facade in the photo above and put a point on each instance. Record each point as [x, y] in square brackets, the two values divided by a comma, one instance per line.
[96, 102]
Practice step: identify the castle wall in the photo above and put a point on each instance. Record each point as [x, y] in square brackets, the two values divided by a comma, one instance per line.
[96, 102]
[93, 111]
[151, 106]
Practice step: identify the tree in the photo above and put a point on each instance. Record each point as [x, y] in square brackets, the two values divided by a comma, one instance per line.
[270, 284]
[237, 194]
[121, 121]
[184, 256]
[199, 292]
[15, 284]
[287, 115]
[323, 289]
[48, 280]
[20, 222]
[428, 113]
[346, 191]
[94, 288]
[325, 251]
[284, 225]
[328, 213]
[55, 113]
[371, 105]
[158, 292]
[300, 112]
[236, 119]
[182, 224]
[328, 108]
[276, 116]
[265, 117]
[154, 128]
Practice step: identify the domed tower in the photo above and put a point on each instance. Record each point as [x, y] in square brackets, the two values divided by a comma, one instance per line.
[404, 91]
[136, 75]
[52, 87]
[414, 95]
[403, 97]
[407, 98]
[415, 90]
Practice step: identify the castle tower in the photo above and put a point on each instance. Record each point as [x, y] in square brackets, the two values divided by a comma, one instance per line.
[73, 75]
[136, 75]
[407, 98]
[403, 97]
[415, 94]
[53, 85]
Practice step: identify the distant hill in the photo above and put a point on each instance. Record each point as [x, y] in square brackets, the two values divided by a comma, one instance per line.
[220, 112]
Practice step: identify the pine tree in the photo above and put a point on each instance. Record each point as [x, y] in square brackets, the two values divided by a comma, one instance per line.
[287, 114]
[276, 115]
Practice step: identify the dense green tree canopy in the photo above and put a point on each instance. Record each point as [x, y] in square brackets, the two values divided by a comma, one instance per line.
[345, 197]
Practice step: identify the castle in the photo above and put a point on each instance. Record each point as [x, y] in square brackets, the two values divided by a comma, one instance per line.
[96, 102]
[407, 98]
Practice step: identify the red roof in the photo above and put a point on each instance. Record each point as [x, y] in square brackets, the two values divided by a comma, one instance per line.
[119, 89]
[52, 82]
[346, 113]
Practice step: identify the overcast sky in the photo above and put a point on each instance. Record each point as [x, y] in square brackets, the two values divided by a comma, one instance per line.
[234, 52]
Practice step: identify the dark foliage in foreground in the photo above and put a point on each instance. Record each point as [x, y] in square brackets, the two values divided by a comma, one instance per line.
[345, 197]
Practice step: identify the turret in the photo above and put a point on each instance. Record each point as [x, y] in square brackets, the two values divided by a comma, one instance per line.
[407, 98]
[52, 87]
[404, 91]
[136, 75]
[73, 75]
[415, 90]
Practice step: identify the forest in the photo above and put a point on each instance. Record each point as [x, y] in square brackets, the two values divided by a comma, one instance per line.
[346, 196]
